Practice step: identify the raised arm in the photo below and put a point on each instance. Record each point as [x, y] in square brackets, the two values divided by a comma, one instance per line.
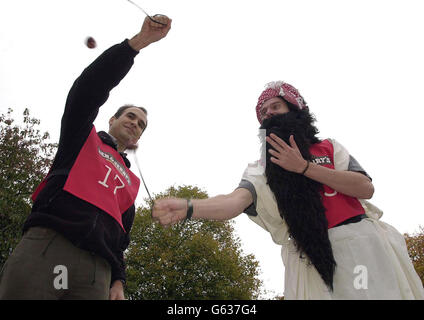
[91, 89]
[223, 207]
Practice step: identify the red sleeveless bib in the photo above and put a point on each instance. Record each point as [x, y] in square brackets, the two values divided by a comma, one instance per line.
[100, 177]
[339, 207]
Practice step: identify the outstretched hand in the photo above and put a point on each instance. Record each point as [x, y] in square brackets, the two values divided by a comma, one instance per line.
[169, 211]
[287, 157]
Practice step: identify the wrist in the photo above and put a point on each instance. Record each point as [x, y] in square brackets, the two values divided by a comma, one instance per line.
[118, 283]
[189, 213]
[138, 42]
[305, 168]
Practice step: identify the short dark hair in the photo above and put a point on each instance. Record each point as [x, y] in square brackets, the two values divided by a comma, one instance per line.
[121, 110]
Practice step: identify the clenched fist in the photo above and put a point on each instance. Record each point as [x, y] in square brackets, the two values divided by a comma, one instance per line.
[151, 32]
[169, 211]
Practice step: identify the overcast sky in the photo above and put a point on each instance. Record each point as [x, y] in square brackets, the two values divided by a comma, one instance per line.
[358, 64]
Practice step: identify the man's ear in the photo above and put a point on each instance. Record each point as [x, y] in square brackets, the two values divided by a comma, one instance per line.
[111, 121]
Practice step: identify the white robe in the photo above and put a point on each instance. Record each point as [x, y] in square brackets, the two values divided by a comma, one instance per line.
[371, 256]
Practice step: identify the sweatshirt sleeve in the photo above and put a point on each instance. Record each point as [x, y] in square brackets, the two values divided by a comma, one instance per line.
[119, 273]
[91, 90]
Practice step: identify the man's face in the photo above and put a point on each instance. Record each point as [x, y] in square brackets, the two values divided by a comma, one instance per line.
[272, 107]
[128, 128]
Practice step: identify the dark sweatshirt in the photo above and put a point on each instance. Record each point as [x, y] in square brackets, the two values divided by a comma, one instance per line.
[85, 225]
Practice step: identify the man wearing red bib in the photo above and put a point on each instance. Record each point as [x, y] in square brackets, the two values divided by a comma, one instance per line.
[309, 194]
[83, 211]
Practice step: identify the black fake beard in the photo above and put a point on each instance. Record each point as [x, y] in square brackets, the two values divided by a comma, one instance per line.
[298, 197]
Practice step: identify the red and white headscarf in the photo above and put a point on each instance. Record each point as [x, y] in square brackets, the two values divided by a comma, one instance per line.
[283, 90]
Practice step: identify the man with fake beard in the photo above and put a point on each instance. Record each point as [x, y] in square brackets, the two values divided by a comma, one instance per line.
[333, 245]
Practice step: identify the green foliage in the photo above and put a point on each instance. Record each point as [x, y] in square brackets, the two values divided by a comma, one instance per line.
[25, 157]
[415, 244]
[196, 260]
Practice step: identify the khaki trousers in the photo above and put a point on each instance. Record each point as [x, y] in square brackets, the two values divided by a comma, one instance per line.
[46, 266]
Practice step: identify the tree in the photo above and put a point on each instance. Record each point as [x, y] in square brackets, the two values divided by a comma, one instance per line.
[25, 156]
[415, 244]
[195, 260]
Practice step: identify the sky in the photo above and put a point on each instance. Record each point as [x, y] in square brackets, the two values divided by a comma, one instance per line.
[359, 65]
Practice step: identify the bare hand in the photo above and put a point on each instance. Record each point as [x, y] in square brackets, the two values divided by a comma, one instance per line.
[287, 157]
[169, 211]
[151, 32]
[117, 291]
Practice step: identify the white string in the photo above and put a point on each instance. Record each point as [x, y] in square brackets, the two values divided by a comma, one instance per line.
[141, 176]
[139, 8]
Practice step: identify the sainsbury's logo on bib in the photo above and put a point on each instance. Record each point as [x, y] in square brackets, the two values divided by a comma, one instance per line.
[115, 163]
[321, 160]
